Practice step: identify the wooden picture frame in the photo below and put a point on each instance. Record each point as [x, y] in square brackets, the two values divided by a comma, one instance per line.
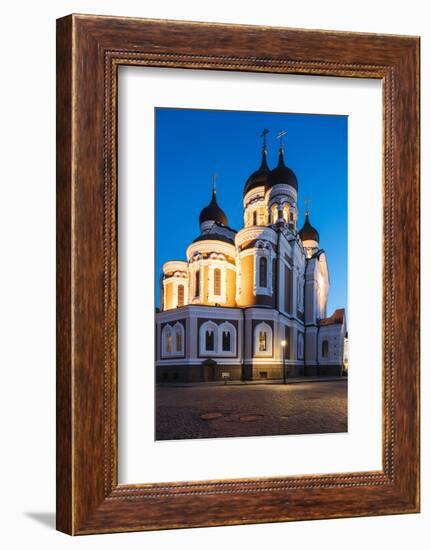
[89, 51]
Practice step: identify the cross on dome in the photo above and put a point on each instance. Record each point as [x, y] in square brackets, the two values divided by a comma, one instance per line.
[307, 205]
[214, 176]
[212, 212]
[308, 232]
[280, 136]
[263, 135]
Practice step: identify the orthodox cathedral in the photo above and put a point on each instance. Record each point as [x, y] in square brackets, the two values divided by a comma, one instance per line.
[250, 305]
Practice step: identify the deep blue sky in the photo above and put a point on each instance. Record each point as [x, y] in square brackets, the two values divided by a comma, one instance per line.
[192, 144]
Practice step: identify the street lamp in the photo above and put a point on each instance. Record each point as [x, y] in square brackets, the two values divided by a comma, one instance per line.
[283, 346]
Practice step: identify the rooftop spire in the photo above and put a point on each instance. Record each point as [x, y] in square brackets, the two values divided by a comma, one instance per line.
[307, 206]
[264, 164]
[214, 176]
[280, 136]
[263, 135]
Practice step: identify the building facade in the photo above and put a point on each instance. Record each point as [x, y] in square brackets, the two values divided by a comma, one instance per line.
[250, 305]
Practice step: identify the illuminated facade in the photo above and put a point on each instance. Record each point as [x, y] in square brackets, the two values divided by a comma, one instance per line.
[250, 305]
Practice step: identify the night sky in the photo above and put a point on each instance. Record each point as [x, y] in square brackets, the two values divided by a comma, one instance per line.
[191, 145]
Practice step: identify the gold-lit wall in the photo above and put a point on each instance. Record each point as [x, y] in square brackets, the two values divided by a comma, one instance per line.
[246, 296]
[169, 295]
[230, 288]
[205, 296]
[203, 299]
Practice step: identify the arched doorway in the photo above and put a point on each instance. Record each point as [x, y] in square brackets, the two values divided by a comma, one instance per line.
[209, 370]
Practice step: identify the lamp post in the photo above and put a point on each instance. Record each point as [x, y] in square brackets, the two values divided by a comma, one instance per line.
[283, 347]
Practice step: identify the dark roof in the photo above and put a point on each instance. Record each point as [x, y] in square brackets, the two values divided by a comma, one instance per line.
[259, 177]
[226, 227]
[317, 254]
[213, 212]
[336, 318]
[214, 237]
[307, 232]
[283, 174]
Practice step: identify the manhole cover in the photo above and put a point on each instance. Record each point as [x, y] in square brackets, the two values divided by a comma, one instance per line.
[250, 417]
[210, 416]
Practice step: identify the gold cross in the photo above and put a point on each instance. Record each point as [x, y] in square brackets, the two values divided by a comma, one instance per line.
[263, 135]
[280, 136]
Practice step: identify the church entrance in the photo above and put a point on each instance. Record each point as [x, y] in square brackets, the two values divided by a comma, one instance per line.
[209, 370]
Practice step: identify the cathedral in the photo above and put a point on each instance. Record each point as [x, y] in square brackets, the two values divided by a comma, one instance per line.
[250, 305]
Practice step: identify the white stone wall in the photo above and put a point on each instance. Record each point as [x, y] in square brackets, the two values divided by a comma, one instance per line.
[334, 335]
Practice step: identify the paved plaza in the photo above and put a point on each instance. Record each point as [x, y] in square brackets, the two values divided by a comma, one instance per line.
[202, 411]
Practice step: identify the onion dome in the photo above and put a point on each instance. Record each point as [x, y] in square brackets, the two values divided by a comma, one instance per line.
[308, 233]
[213, 212]
[260, 177]
[282, 175]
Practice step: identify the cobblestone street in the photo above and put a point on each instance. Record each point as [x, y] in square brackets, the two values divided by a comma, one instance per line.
[202, 411]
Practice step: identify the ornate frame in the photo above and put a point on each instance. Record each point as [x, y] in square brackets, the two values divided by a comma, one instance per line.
[89, 50]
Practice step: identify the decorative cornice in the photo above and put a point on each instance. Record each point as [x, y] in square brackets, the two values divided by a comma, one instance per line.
[211, 246]
[257, 193]
[174, 265]
[251, 234]
[281, 190]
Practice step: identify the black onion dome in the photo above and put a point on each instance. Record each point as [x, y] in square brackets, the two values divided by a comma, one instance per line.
[260, 177]
[213, 212]
[283, 174]
[308, 233]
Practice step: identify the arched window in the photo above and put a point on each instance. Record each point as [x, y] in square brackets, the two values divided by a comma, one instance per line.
[286, 213]
[179, 338]
[325, 348]
[180, 301]
[263, 272]
[255, 217]
[209, 340]
[168, 341]
[226, 340]
[300, 345]
[263, 340]
[274, 213]
[179, 341]
[217, 282]
[197, 283]
[173, 340]
[217, 340]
